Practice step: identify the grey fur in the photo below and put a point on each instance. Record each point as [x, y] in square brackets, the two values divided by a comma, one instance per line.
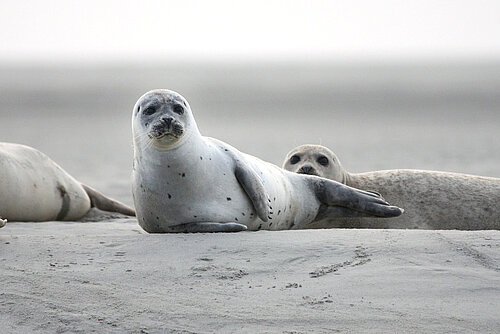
[431, 199]
[251, 183]
[66, 201]
[207, 227]
[100, 201]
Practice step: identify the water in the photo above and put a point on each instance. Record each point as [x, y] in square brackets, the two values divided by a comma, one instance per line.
[383, 116]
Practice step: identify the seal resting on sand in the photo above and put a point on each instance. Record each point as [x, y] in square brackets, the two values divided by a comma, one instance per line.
[184, 182]
[432, 200]
[35, 188]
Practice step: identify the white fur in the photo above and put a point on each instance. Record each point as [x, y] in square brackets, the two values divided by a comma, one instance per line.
[192, 179]
[30, 183]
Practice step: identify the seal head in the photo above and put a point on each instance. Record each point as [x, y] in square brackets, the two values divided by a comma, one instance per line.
[315, 160]
[163, 118]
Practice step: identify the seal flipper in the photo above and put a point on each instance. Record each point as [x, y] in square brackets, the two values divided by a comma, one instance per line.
[207, 227]
[339, 211]
[335, 194]
[104, 203]
[251, 183]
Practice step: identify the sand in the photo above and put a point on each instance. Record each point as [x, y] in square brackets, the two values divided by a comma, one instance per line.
[111, 277]
[106, 275]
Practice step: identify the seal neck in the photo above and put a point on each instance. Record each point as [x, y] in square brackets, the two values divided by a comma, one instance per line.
[346, 178]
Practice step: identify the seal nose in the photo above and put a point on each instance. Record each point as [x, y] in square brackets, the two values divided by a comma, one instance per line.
[306, 169]
[167, 120]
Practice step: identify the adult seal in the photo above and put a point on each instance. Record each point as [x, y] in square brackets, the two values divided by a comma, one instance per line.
[35, 188]
[184, 182]
[431, 199]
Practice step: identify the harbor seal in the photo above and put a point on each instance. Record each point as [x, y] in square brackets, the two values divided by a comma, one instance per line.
[35, 188]
[431, 199]
[184, 182]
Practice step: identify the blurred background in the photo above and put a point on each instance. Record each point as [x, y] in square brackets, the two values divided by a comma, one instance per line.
[385, 84]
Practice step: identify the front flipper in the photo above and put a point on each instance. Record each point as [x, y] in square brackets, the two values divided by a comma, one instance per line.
[339, 211]
[207, 228]
[251, 183]
[335, 194]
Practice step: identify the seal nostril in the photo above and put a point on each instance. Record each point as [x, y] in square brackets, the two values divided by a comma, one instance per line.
[167, 120]
[306, 169]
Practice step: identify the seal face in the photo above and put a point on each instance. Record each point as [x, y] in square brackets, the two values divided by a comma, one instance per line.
[432, 199]
[314, 160]
[184, 182]
[163, 118]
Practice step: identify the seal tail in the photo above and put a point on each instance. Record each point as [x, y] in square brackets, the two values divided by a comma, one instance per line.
[104, 203]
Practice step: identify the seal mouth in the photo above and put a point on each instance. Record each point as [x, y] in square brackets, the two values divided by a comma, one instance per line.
[308, 173]
[307, 170]
[172, 130]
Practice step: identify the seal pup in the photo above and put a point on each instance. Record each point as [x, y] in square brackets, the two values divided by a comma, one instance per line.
[431, 199]
[35, 188]
[184, 182]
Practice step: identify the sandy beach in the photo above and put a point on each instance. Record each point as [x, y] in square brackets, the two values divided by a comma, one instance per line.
[110, 277]
[105, 275]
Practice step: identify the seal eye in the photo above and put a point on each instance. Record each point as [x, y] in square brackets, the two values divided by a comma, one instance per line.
[294, 159]
[178, 109]
[149, 111]
[322, 160]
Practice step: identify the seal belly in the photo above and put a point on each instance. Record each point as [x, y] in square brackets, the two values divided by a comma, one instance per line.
[204, 191]
[207, 190]
[34, 188]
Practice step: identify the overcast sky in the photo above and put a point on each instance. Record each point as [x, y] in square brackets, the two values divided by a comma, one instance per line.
[99, 30]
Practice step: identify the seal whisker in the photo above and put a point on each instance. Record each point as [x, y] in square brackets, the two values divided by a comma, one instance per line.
[144, 139]
[148, 142]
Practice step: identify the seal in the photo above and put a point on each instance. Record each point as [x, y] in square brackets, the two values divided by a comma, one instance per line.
[35, 188]
[184, 182]
[431, 199]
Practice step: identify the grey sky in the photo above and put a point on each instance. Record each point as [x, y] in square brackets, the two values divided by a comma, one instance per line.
[219, 29]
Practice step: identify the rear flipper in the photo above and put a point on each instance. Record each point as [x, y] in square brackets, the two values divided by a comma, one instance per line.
[207, 228]
[3, 222]
[351, 202]
[104, 203]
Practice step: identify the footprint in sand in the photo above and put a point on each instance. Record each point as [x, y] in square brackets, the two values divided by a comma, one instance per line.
[360, 257]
